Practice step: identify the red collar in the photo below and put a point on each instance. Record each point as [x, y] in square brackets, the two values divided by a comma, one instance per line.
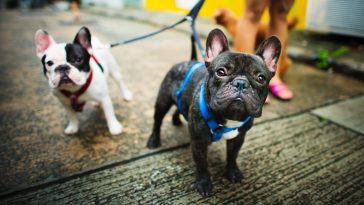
[73, 96]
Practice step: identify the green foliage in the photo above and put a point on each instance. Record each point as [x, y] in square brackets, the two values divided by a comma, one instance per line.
[325, 57]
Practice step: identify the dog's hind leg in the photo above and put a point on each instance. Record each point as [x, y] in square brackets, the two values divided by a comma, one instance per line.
[113, 124]
[176, 119]
[162, 106]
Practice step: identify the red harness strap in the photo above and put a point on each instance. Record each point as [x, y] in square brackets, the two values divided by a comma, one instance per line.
[97, 62]
[73, 96]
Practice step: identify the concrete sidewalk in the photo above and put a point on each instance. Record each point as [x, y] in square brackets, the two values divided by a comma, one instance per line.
[299, 152]
[304, 160]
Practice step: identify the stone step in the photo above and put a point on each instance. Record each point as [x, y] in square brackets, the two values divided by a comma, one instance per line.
[348, 113]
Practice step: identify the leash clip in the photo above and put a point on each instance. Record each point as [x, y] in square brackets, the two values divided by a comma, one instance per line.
[189, 18]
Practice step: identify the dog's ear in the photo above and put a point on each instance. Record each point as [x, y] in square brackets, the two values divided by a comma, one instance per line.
[83, 38]
[216, 43]
[42, 42]
[270, 50]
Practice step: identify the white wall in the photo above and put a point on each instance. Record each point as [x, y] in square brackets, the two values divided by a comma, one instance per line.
[107, 3]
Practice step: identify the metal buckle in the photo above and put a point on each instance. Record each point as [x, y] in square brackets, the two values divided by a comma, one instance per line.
[189, 18]
[217, 129]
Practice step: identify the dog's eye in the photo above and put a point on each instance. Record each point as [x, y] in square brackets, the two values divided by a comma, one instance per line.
[78, 60]
[50, 63]
[220, 72]
[261, 78]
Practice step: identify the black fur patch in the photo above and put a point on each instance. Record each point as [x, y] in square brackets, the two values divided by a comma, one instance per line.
[44, 66]
[78, 57]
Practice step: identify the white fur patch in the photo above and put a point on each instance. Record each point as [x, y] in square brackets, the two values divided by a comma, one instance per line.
[232, 134]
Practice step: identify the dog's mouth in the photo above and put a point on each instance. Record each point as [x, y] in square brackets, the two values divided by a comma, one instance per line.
[235, 103]
[239, 99]
[253, 106]
[246, 103]
[65, 80]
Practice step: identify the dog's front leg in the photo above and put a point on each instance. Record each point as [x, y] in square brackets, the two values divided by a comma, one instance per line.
[113, 124]
[203, 182]
[73, 123]
[233, 146]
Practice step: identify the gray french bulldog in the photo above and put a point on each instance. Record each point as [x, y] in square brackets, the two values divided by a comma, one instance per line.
[219, 100]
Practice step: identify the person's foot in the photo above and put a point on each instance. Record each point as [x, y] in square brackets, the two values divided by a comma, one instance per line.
[280, 90]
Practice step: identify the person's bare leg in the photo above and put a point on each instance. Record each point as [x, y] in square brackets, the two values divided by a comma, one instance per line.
[278, 25]
[284, 63]
[247, 26]
[75, 10]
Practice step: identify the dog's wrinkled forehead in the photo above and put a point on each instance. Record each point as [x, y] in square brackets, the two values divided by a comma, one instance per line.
[239, 61]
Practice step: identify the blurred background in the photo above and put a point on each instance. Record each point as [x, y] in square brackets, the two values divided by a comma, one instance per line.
[340, 17]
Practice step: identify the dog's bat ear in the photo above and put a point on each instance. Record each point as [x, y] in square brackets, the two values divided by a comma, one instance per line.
[42, 42]
[216, 43]
[270, 50]
[83, 38]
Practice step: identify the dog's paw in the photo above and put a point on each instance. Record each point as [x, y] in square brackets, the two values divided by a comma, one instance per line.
[127, 95]
[234, 175]
[204, 187]
[71, 129]
[153, 141]
[94, 104]
[116, 128]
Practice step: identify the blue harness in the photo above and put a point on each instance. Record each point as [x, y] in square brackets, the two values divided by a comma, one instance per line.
[188, 75]
[216, 130]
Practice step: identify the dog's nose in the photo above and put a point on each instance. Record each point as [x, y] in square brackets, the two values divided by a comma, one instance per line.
[241, 84]
[63, 68]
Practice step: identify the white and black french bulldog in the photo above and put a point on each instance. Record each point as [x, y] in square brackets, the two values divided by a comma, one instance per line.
[219, 99]
[77, 73]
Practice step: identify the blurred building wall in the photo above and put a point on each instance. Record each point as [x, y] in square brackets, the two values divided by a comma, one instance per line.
[237, 6]
[115, 3]
[336, 16]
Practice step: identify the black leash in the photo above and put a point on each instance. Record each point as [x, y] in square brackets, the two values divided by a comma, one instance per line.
[190, 17]
[148, 35]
